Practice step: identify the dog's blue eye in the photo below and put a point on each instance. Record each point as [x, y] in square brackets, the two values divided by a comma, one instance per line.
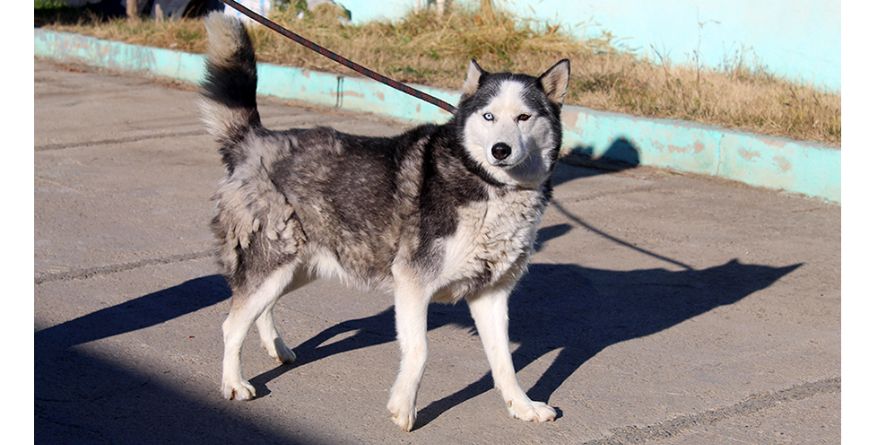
[488, 116]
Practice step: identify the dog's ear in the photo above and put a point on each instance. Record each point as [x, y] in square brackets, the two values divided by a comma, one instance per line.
[555, 80]
[472, 80]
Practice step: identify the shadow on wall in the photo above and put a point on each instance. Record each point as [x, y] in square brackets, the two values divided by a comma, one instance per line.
[621, 154]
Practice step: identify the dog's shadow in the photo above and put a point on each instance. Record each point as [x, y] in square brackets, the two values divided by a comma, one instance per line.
[574, 309]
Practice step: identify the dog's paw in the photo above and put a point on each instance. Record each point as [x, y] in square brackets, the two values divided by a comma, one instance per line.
[237, 389]
[531, 411]
[279, 351]
[283, 355]
[402, 413]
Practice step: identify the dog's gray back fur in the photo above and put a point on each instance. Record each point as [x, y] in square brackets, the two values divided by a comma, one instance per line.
[361, 207]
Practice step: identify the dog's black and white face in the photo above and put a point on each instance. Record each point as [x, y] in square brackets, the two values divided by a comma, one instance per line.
[510, 123]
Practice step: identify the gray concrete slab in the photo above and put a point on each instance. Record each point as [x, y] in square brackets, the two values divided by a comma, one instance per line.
[660, 308]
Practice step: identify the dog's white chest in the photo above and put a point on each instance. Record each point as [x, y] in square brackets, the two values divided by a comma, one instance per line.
[491, 238]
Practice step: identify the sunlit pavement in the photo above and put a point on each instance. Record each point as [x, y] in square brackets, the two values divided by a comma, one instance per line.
[660, 308]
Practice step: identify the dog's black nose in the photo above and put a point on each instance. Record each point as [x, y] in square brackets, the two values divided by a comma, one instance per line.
[501, 151]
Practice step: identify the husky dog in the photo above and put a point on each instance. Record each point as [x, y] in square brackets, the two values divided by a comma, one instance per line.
[438, 213]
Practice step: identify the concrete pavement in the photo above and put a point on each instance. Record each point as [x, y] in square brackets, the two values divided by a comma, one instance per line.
[660, 308]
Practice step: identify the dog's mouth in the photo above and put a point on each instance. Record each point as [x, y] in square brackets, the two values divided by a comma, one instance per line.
[504, 165]
[508, 164]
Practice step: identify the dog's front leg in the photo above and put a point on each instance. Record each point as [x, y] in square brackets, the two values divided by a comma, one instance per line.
[411, 309]
[490, 311]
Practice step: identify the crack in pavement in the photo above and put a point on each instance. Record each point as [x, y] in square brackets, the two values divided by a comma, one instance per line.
[63, 146]
[80, 274]
[754, 403]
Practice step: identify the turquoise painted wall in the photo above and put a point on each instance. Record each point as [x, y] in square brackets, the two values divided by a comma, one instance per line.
[796, 39]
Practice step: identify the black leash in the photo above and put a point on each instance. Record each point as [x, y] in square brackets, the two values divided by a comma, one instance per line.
[331, 55]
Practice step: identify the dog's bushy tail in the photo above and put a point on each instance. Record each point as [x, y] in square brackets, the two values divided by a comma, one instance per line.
[229, 109]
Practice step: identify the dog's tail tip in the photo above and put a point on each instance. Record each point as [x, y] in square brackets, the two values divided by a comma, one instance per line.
[226, 34]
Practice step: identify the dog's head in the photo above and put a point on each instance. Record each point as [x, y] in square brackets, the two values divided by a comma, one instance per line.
[510, 123]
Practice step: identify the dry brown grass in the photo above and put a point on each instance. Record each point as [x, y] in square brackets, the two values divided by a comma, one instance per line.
[424, 48]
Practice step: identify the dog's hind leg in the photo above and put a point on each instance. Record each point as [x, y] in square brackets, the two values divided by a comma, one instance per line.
[267, 329]
[411, 310]
[245, 309]
[490, 312]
